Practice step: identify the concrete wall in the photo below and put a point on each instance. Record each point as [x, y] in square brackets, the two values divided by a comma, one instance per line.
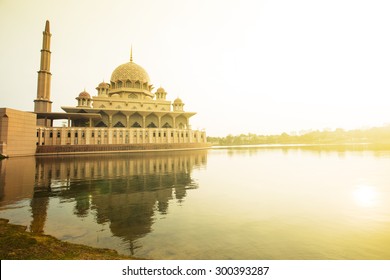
[17, 133]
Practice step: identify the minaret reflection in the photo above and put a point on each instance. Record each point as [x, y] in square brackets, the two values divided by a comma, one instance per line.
[39, 207]
[126, 191]
[40, 200]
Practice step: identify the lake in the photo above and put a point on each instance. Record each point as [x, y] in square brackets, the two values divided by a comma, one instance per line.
[227, 203]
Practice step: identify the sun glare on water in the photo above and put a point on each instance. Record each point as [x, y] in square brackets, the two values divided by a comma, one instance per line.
[365, 196]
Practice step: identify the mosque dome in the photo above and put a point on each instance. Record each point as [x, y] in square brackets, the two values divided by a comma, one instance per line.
[84, 95]
[130, 71]
[177, 100]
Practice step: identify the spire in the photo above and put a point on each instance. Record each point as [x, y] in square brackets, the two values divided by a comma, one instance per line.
[42, 102]
[131, 53]
[47, 27]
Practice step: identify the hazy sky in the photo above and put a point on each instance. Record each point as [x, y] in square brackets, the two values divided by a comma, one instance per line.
[245, 66]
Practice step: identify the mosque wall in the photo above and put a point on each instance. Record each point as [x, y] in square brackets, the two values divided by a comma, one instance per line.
[96, 136]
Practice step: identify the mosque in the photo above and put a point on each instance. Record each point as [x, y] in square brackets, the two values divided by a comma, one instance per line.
[124, 115]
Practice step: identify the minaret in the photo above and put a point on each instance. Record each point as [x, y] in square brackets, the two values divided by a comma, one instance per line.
[42, 102]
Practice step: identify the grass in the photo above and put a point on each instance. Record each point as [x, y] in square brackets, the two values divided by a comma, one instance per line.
[18, 244]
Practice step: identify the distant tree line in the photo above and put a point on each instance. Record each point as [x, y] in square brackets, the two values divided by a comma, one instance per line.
[376, 135]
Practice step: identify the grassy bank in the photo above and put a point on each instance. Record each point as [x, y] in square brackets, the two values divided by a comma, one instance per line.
[18, 244]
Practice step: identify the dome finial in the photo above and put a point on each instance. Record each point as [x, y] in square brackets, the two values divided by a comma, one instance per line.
[131, 53]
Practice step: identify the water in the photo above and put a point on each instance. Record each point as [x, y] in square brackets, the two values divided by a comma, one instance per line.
[248, 203]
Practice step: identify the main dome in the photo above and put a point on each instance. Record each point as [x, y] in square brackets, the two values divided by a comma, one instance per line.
[130, 71]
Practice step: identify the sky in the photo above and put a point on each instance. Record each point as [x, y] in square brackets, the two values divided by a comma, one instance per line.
[245, 66]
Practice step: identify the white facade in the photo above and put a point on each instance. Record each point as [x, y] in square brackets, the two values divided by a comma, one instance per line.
[97, 136]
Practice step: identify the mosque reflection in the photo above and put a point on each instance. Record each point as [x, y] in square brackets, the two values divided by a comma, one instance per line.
[125, 191]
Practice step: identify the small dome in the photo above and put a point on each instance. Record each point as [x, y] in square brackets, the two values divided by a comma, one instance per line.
[130, 71]
[104, 85]
[177, 100]
[160, 89]
[84, 95]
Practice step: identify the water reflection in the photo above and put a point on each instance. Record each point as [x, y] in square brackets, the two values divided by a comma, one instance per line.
[317, 149]
[261, 203]
[16, 179]
[124, 191]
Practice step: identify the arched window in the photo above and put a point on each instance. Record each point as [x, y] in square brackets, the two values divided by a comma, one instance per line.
[151, 125]
[101, 124]
[136, 124]
[119, 124]
[167, 125]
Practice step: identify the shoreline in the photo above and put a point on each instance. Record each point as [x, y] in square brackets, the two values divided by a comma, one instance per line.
[324, 146]
[18, 244]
